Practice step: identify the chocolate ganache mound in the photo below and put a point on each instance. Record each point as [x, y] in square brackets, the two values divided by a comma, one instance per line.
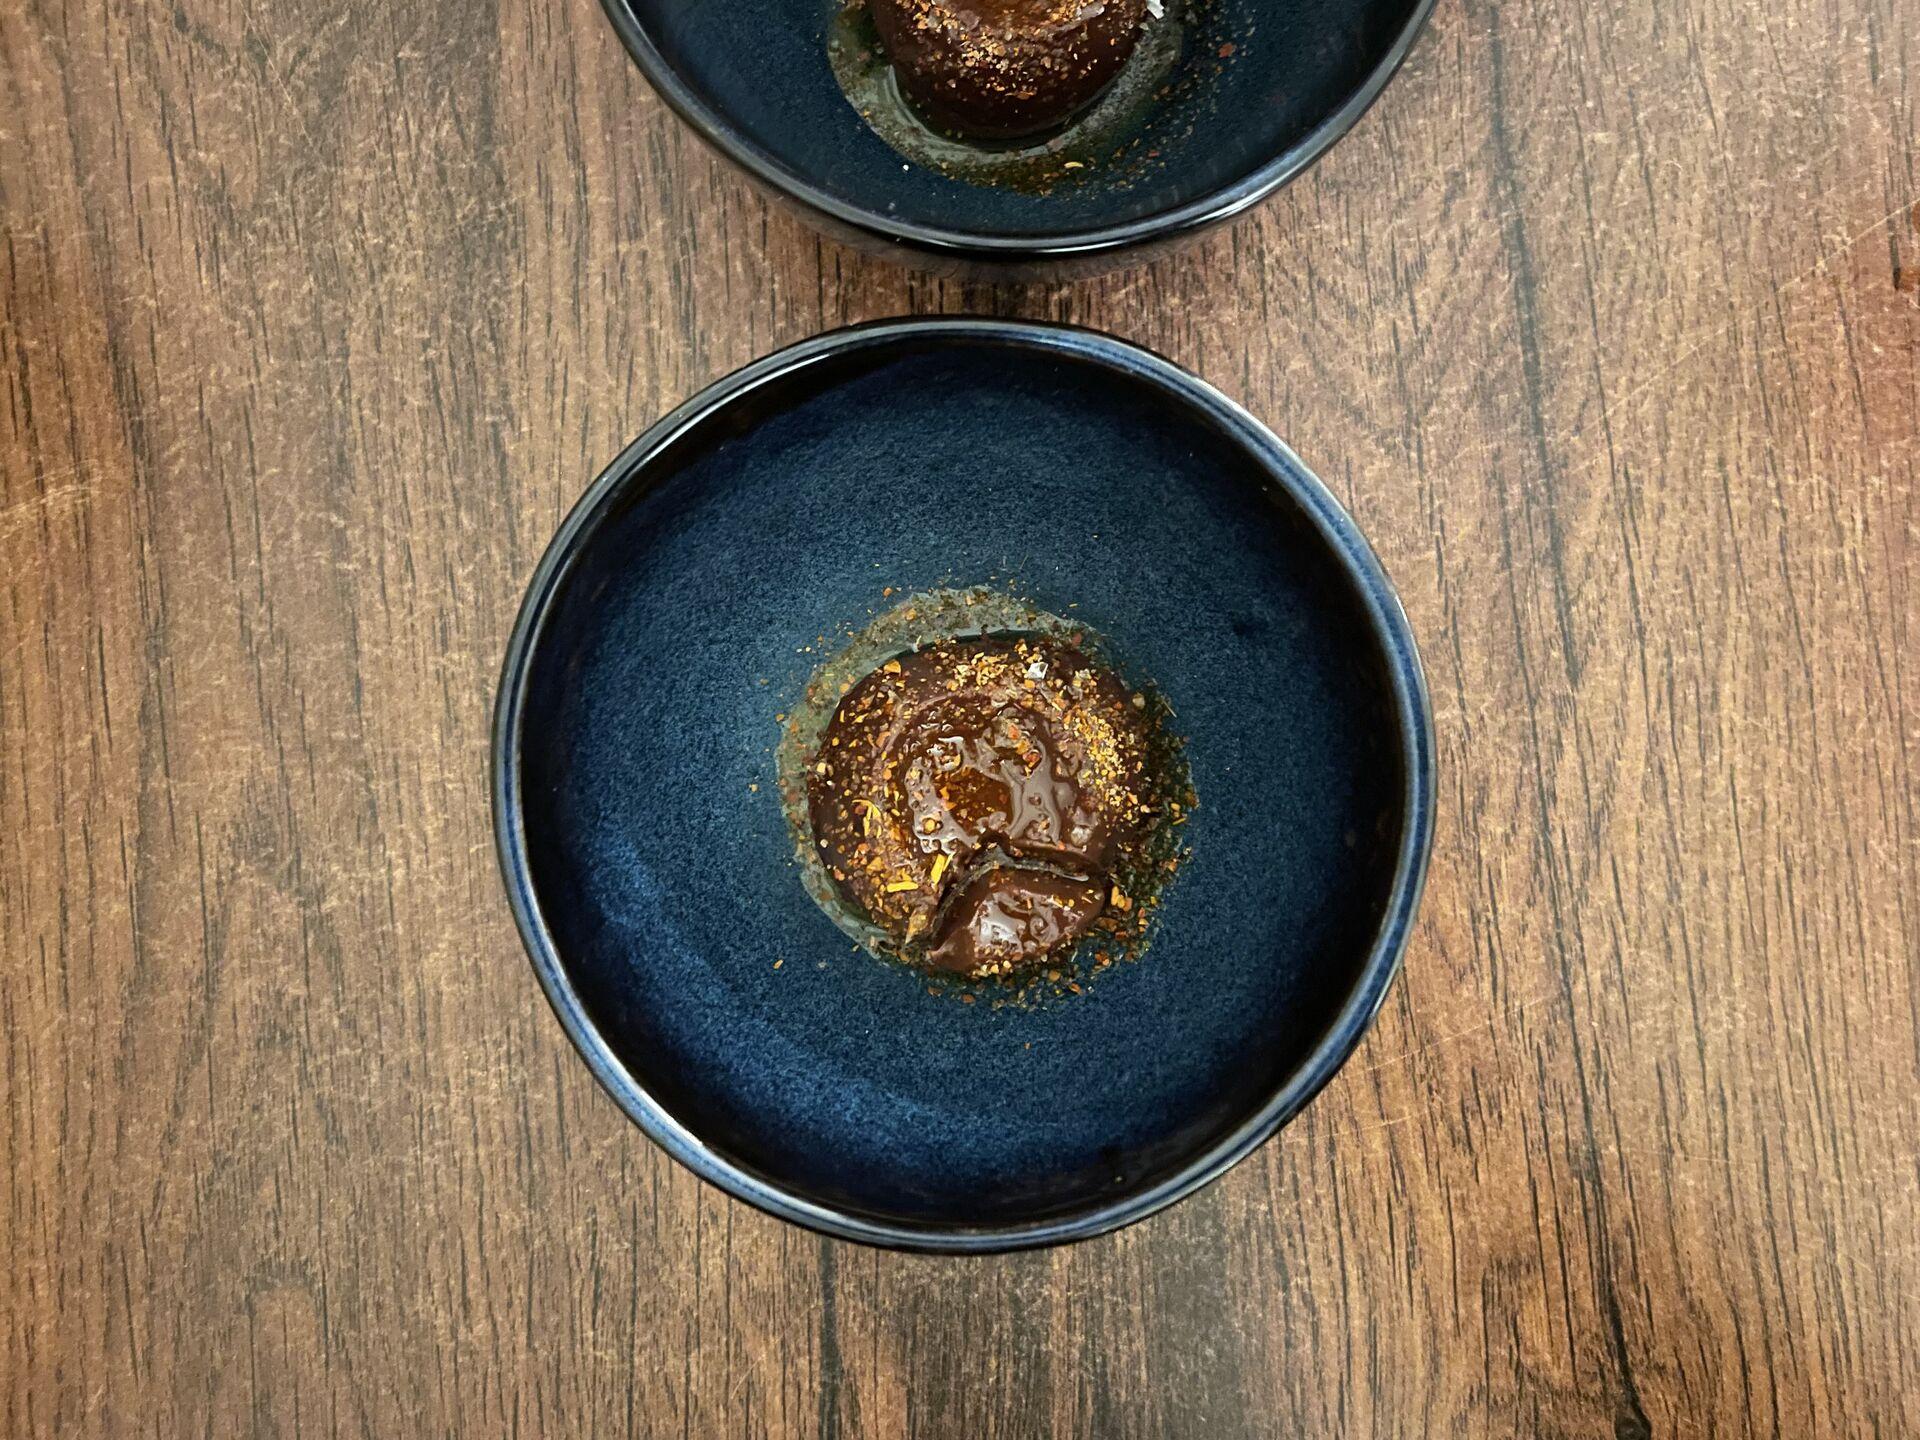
[1004, 69]
[971, 798]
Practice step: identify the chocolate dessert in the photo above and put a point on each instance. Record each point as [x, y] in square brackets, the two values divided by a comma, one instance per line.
[1003, 69]
[972, 798]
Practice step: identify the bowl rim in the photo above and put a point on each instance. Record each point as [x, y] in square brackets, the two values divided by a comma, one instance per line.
[1412, 708]
[990, 246]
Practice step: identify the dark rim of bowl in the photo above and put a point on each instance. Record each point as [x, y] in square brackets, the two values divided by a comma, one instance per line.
[1195, 215]
[1286, 470]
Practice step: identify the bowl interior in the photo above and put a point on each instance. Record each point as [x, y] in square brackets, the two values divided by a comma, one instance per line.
[1255, 80]
[661, 863]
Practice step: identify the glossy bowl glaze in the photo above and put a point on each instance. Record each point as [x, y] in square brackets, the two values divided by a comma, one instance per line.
[1260, 92]
[649, 865]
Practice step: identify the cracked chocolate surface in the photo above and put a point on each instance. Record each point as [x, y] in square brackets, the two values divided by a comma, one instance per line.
[969, 798]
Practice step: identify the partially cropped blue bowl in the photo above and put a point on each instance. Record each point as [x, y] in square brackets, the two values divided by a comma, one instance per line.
[1260, 90]
[649, 864]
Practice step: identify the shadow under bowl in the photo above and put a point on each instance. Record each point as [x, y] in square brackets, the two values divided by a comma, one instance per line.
[649, 863]
[1260, 91]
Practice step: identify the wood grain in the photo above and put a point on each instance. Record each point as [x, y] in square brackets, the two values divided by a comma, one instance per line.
[313, 320]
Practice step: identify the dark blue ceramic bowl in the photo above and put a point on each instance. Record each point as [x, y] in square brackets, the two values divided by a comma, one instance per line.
[753, 78]
[676, 613]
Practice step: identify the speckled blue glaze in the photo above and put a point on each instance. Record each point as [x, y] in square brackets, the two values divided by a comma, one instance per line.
[753, 77]
[654, 887]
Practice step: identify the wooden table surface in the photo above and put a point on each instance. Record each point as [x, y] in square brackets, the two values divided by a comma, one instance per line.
[315, 317]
